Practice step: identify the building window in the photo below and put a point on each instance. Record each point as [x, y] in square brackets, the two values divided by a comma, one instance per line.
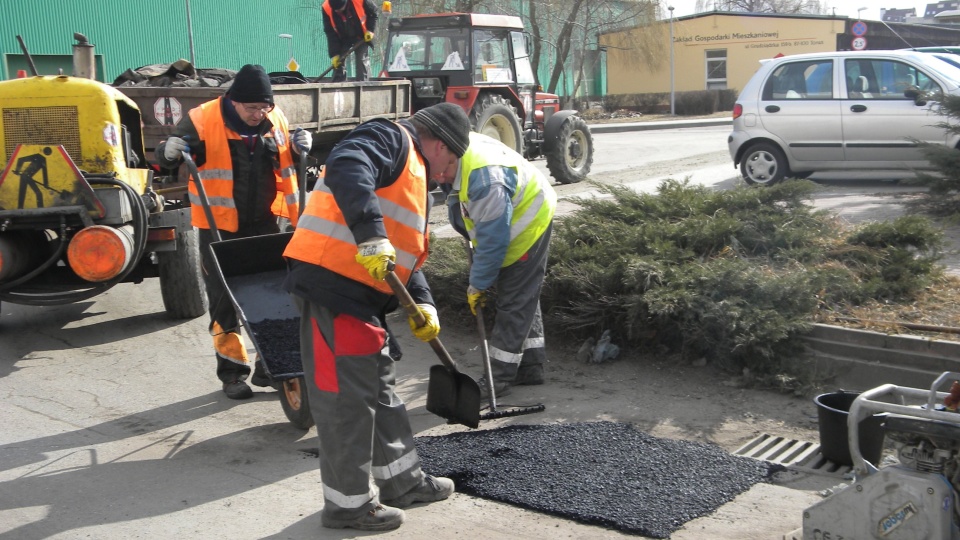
[716, 69]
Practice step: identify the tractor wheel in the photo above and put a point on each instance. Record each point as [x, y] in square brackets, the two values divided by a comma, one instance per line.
[570, 157]
[181, 282]
[494, 117]
[296, 406]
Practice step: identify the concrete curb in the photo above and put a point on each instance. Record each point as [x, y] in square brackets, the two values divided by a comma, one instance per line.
[669, 124]
[863, 359]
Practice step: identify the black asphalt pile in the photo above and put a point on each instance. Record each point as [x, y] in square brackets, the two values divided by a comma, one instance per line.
[278, 340]
[598, 473]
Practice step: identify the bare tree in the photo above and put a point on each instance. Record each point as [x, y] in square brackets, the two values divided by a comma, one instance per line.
[763, 6]
[581, 23]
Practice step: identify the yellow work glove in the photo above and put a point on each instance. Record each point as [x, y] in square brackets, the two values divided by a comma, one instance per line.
[375, 254]
[430, 328]
[368, 36]
[335, 61]
[476, 297]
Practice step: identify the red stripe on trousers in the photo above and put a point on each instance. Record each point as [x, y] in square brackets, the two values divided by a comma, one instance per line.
[352, 337]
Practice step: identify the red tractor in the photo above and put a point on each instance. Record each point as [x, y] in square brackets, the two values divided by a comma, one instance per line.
[481, 62]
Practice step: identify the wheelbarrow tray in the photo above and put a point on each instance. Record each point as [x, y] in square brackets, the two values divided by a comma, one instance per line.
[252, 270]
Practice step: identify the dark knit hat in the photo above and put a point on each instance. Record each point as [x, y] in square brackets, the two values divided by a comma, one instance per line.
[251, 85]
[448, 123]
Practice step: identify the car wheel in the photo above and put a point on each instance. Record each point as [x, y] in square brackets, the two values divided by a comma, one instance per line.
[763, 164]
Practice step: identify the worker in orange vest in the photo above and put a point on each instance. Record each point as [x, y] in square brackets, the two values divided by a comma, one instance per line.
[243, 148]
[345, 24]
[369, 213]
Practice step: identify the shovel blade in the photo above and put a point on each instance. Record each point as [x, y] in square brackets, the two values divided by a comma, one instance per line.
[454, 396]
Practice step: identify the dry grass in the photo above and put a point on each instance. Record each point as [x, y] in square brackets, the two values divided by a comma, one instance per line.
[936, 306]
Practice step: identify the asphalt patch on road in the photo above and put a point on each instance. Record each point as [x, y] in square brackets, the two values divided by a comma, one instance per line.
[597, 473]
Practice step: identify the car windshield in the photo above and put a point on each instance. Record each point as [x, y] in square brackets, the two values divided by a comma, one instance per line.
[942, 68]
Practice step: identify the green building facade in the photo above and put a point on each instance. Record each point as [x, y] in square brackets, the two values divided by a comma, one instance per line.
[134, 33]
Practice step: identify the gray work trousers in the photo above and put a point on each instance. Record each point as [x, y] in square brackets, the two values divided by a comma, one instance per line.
[517, 337]
[362, 425]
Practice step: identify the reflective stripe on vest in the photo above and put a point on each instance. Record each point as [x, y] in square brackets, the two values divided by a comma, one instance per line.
[534, 201]
[324, 239]
[357, 6]
[216, 173]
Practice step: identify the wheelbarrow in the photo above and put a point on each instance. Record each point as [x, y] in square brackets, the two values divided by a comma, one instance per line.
[265, 309]
[255, 287]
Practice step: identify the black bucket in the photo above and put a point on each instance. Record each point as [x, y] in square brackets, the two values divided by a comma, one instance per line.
[832, 412]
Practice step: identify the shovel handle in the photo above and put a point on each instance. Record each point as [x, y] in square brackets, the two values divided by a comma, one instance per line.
[204, 203]
[413, 311]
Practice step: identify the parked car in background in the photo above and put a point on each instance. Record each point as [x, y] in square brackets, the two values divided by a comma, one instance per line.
[950, 55]
[863, 110]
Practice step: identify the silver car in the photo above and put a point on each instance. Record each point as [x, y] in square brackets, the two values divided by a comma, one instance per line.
[848, 110]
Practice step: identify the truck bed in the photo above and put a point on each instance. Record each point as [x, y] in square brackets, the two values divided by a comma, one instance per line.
[327, 109]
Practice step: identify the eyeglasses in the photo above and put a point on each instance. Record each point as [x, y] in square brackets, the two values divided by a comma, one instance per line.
[256, 108]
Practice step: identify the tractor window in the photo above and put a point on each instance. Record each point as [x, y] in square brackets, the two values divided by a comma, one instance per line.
[522, 59]
[428, 50]
[491, 49]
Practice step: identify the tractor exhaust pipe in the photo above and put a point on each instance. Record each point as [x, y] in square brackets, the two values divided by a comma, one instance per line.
[84, 61]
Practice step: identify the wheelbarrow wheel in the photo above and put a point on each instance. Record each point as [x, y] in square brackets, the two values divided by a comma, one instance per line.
[296, 406]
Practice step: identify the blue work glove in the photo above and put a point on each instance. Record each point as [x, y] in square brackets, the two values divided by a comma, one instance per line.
[173, 148]
[302, 140]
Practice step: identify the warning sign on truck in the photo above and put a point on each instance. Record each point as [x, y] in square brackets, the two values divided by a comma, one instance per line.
[167, 111]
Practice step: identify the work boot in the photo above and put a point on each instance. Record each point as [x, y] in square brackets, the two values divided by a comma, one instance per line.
[529, 375]
[431, 489]
[237, 389]
[379, 518]
[260, 377]
[502, 388]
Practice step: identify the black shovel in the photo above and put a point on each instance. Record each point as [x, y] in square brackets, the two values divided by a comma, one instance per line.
[450, 394]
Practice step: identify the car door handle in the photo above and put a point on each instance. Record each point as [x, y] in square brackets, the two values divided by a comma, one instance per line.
[772, 108]
[858, 108]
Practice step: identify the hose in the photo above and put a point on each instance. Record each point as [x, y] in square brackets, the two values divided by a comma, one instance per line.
[140, 241]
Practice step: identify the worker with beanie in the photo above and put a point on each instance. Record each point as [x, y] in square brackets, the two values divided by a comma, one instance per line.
[366, 215]
[349, 23]
[504, 207]
[244, 151]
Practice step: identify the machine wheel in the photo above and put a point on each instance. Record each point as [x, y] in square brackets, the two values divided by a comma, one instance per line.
[293, 399]
[181, 281]
[763, 164]
[494, 117]
[570, 158]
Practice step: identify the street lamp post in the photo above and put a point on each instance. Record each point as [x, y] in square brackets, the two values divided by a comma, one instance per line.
[672, 101]
[858, 12]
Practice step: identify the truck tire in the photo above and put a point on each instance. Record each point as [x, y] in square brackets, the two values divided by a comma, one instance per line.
[494, 117]
[296, 405]
[181, 281]
[570, 158]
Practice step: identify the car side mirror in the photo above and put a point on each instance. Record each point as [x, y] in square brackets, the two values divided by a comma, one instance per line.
[914, 93]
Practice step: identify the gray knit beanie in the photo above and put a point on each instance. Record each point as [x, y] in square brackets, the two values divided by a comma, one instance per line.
[448, 123]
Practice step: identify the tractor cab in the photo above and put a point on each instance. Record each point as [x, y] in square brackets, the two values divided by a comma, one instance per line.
[481, 62]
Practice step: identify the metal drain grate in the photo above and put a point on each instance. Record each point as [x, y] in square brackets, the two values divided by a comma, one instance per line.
[793, 454]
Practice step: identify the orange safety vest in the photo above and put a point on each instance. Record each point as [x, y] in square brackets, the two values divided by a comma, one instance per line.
[324, 239]
[217, 173]
[357, 6]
